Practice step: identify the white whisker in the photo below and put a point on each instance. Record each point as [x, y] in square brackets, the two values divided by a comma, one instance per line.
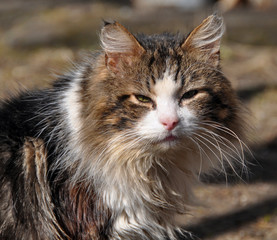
[221, 161]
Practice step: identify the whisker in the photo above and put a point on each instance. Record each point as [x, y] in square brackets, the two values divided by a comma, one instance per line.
[224, 153]
[221, 140]
[200, 154]
[220, 160]
[228, 131]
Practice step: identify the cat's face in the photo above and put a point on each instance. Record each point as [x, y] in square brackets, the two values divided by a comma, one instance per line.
[165, 110]
[164, 92]
[163, 89]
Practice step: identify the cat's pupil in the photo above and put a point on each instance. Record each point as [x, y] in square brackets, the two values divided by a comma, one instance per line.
[190, 94]
[143, 99]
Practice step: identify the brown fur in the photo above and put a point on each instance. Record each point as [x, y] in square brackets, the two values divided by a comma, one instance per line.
[77, 160]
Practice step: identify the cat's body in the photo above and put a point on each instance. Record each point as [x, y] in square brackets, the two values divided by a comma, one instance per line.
[112, 150]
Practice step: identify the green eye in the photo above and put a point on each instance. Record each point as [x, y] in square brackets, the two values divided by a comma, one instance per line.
[143, 99]
[190, 94]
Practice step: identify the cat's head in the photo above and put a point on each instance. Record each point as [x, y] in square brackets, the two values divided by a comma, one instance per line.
[166, 91]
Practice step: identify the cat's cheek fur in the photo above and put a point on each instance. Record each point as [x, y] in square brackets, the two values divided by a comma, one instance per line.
[149, 127]
[188, 120]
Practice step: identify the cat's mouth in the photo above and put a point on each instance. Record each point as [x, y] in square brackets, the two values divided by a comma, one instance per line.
[170, 138]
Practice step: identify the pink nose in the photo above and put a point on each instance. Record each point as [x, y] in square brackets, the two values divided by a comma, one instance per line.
[170, 124]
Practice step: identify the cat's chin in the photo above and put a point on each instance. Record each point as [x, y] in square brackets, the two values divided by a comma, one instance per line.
[167, 143]
[170, 138]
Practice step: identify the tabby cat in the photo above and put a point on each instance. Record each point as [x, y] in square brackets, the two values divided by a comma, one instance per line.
[113, 148]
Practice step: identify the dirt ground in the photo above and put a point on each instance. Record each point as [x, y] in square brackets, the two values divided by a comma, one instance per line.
[39, 39]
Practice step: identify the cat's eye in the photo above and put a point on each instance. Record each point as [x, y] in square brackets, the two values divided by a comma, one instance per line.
[189, 94]
[143, 99]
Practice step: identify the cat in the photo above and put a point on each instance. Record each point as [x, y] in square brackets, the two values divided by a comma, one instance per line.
[114, 147]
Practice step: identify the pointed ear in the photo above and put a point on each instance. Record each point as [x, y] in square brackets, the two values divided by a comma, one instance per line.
[204, 41]
[120, 46]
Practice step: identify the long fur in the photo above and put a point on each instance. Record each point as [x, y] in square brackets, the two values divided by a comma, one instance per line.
[74, 163]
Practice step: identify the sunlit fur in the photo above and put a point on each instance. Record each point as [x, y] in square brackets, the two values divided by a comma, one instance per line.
[109, 149]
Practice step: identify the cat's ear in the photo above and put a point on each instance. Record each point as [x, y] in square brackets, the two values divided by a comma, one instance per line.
[120, 46]
[204, 40]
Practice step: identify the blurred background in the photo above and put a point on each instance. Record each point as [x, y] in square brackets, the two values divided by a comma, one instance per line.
[39, 39]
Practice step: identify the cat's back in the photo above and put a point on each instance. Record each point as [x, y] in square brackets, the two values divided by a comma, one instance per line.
[24, 116]
[21, 120]
[20, 114]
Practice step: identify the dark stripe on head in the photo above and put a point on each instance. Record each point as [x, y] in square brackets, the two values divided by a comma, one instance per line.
[183, 78]
[153, 79]
[148, 84]
[151, 61]
[178, 68]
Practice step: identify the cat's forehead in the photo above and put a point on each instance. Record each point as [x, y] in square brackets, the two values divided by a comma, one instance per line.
[166, 86]
[160, 42]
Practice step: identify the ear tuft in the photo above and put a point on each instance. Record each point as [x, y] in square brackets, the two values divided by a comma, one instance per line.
[107, 23]
[205, 39]
[120, 46]
[116, 39]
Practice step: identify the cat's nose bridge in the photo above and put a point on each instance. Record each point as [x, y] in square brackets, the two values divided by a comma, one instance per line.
[167, 114]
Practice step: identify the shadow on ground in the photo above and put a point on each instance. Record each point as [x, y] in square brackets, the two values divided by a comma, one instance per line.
[213, 226]
[263, 168]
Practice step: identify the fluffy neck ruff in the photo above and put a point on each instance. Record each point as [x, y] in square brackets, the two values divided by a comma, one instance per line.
[143, 191]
